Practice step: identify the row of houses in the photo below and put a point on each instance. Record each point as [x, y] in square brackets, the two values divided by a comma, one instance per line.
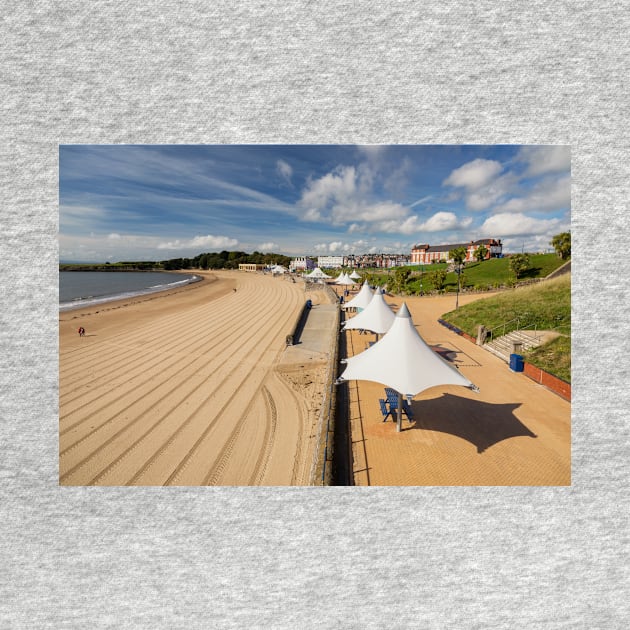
[353, 261]
[422, 254]
[425, 254]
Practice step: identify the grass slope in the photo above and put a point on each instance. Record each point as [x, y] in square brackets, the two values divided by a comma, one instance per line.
[546, 305]
[484, 275]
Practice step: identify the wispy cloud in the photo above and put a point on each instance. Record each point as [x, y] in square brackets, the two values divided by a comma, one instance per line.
[285, 171]
[208, 242]
[509, 224]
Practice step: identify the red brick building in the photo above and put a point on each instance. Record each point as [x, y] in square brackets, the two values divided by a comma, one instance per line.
[425, 253]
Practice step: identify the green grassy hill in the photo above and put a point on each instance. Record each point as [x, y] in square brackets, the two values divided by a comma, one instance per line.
[545, 305]
[482, 276]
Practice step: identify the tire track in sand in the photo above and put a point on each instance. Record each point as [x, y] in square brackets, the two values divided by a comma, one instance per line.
[230, 356]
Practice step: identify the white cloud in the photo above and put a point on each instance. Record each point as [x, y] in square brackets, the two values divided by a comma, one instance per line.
[114, 237]
[528, 243]
[492, 192]
[439, 222]
[359, 245]
[549, 194]
[285, 171]
[312, 214]
[344, 195]
[545, 159]
[473, 175]
[209, 241]
[386, 210]
[268, 247]
[338, 247]
[508, 224]
[372, 151]
[338, 186]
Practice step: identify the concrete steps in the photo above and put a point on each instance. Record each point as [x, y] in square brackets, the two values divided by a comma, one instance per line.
[516, 342]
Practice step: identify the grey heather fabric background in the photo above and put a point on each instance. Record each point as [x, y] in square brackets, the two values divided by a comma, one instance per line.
[327, 72]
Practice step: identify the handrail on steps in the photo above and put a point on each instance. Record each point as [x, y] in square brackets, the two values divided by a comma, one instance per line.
[490, 333]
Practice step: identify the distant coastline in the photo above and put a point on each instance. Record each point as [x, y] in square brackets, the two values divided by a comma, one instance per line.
[109, 267]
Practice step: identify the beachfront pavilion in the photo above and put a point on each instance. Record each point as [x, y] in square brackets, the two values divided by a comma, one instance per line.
[403, 362]
[317, 273]
[343, 279]
[377, 316]
[361, 300]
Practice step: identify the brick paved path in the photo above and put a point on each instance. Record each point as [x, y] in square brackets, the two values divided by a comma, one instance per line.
[513, 432]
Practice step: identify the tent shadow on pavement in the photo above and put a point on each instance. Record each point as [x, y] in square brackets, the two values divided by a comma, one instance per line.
[445, 353]
[480, 423]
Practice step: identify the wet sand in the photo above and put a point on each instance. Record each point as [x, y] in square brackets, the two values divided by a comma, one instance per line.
[185, 387]
[513, 432]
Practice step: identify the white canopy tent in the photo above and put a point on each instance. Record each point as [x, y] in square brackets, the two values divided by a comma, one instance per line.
[354, 275]
[361, 299]
[278, 269]
[316, 273]
[377, 316]
[344, 279]
[403, 361]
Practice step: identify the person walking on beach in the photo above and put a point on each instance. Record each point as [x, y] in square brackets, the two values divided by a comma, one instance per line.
[81, 331]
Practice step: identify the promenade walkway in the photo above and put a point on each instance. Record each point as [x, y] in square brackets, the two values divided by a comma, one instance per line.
[513, 432]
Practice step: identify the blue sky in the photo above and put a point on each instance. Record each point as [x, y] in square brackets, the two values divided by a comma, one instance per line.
[154, 202]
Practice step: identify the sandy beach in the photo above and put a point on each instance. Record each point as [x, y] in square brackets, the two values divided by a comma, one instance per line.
[187, 387]
[513, 432]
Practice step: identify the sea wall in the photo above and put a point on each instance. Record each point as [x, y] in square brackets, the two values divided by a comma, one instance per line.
[322, 469]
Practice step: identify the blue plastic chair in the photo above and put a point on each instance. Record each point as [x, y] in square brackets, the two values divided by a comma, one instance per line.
[384, 410]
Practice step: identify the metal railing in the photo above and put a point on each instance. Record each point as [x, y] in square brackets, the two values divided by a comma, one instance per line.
[490, 334]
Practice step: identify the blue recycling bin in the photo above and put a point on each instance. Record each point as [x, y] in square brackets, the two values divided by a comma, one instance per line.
[517, 363]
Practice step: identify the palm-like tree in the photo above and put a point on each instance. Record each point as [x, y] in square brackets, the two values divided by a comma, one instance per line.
[481, 253]
[562, 244]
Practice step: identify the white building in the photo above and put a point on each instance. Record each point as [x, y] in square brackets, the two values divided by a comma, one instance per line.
[301, 263]
[330, 262]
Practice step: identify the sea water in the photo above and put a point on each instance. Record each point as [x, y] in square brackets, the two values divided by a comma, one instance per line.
[78, 289]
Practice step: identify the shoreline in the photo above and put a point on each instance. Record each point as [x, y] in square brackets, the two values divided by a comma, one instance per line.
[73, 305]
[135, 300]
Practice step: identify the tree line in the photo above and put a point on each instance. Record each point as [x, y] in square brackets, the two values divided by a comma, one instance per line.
[225, 260]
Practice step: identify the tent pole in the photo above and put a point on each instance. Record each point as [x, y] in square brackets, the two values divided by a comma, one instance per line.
[399, 410]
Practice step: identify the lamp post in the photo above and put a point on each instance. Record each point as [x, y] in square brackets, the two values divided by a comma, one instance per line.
[459, 271]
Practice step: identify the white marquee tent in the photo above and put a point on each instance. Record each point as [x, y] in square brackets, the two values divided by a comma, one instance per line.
[377, 316]
[316, 273]
[354, 275]
[344, 279]
[403, 361]
[361, 299]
